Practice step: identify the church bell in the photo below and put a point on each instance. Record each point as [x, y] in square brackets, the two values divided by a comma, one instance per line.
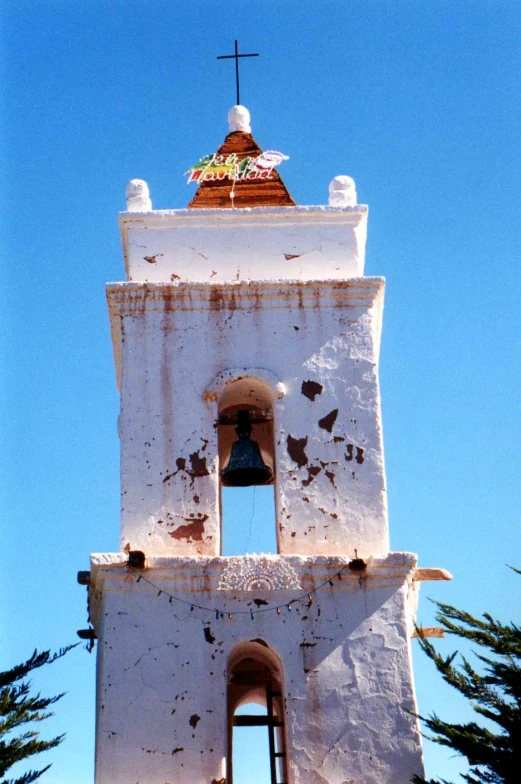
[245, 466]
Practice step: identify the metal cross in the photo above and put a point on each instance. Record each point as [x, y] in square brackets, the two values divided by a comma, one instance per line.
[236, 58]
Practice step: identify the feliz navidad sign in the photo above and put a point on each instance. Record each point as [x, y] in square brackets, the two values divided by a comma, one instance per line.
[222, 167]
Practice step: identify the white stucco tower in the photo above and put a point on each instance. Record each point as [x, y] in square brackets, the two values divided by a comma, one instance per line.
[245, 302]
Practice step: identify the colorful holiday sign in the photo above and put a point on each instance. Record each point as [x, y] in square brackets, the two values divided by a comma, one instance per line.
[221, 167]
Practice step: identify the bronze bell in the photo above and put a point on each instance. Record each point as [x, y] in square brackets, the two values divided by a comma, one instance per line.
[245, 466]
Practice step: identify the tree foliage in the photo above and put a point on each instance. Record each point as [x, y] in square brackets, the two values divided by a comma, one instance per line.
[493, 748]
[18, 709]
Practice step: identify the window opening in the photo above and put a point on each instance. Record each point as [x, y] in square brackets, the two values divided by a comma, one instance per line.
[251, 758]
[256, 679]
[245, 434]
[248, 514]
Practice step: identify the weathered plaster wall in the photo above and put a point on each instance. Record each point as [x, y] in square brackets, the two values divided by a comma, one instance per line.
[320, 340]
[214, 296]
[264, 243]
[162, 669]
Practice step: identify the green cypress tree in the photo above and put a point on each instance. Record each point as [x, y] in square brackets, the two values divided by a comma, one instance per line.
[494, 751]
[17, 709]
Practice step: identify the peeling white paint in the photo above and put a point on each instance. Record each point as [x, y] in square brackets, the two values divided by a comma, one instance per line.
[345, 666]
[330, 487]
[216, 302]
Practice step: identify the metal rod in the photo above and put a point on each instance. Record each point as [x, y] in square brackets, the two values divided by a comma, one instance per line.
[237, 70]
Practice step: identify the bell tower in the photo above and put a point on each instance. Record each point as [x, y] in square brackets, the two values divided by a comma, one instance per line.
[246, 341]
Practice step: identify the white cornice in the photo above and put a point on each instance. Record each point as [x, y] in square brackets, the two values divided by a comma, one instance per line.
[248, 215]
[266, 294]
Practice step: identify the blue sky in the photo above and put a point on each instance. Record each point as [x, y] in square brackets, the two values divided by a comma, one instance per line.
[418, 101]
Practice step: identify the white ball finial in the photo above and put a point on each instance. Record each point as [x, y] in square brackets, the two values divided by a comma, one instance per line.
[138, 196]
[342, 191]
[239, 119]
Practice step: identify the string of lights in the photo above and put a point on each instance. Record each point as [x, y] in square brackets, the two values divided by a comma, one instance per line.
[356, 565]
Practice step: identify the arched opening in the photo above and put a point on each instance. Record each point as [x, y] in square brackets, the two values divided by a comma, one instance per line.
[245, 435]
[256, 713]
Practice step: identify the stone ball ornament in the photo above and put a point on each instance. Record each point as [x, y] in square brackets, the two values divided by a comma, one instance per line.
[138, 196]
[239, 119]
[342, 191]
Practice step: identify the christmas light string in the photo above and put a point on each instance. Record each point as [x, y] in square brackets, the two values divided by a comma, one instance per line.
[357, 565]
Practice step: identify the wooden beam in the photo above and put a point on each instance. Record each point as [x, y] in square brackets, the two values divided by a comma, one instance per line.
[271, 735]
[431, 574]
[87, 634]
[256, 721]
[430, 631]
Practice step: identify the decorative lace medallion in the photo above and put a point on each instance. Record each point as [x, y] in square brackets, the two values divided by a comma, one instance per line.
[258, 573]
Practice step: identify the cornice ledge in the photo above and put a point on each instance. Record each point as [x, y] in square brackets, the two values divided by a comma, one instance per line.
[396, 566]
[352, 291]
[247, 215]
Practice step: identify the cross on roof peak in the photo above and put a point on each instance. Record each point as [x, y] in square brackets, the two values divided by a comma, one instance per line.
[236, 58]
